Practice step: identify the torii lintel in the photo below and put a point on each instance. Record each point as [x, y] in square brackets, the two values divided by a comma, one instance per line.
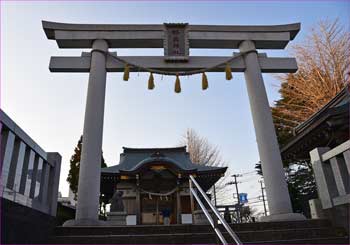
[152, 36]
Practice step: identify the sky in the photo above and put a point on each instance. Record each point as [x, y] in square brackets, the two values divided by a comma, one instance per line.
[50, 106]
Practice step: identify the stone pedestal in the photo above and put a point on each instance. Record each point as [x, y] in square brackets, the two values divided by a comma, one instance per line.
[316, 209]
[84, 222]
[201, 219]
[116, 218]
[283, 217]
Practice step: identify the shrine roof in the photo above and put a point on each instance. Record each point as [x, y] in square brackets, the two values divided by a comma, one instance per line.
[134, 158]
[329, 124]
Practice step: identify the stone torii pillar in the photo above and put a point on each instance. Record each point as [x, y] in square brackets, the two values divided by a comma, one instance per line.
[90, 164]
[274, 178]
[89, 174]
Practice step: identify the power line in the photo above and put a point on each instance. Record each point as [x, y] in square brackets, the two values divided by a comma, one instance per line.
[248, 179]
[255, 202]
[249, 173]
[252, 198]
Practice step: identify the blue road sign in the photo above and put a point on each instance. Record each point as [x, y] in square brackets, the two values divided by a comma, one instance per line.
[243, 197]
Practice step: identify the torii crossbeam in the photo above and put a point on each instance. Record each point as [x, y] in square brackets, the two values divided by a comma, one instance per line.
[177, 40]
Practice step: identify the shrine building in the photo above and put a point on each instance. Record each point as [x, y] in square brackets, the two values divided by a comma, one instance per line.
[154, 179]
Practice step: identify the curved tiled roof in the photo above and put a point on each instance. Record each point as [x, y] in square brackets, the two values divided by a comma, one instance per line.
[134, 158]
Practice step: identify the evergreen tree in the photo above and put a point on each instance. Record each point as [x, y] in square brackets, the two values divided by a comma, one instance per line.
[301, 186]
[73, 175]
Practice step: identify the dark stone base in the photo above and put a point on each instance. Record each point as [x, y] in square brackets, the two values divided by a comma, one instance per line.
[339, 216]
[23, 225]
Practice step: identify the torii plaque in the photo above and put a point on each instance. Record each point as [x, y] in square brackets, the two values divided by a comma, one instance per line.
[176, 46]
[176, 59]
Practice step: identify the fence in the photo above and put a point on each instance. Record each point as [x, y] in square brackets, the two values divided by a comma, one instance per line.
[332, 173]
[29, 175]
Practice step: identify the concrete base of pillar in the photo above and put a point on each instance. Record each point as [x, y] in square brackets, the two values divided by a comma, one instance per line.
[283, 217]
[116, 218]
[84, 222]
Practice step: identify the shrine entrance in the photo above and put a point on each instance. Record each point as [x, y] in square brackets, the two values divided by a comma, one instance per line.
[158, 186]
[152, 209]
[176, 40]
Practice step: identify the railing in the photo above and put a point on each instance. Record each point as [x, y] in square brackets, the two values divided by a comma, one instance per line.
[213, 223]
[332, 173]
[29, 175]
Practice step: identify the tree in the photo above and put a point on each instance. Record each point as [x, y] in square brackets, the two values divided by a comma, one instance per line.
[302, 187]
[204, 153]
[201, 151]
[324, 65]
[248, 213]
[73, 175]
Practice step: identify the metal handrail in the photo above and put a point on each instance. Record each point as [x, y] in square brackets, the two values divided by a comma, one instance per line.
[216, 212]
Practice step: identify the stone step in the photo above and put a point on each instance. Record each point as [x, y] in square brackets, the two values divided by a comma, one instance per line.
[186, 238]
[323, 240]
[155, 237]
[287, 234]
[179, 238]
[161, 229]
[306, 232]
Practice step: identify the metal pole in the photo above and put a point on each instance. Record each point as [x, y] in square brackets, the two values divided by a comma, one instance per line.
[216, 212]
[214, 195]
[210, 219]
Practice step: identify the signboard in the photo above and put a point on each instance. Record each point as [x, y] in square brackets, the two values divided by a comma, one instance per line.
[176, 46]
[243, 198]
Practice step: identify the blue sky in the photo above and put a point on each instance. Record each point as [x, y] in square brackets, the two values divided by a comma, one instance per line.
[50, 106]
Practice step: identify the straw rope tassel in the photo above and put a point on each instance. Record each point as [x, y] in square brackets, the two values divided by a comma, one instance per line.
[204, 81]
[177, 84]
[228, 72]
[151, 81]
[126, 72]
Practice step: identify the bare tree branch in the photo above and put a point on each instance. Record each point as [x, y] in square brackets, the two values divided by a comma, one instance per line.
[203, 153]
[324, 66]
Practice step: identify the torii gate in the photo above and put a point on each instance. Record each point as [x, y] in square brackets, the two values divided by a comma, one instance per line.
[176, 39]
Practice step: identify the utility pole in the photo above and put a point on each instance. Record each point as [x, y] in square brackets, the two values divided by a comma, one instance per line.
[238, 201]
[263, 195]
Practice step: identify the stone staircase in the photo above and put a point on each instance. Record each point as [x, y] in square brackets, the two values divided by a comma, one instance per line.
[296, 232]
